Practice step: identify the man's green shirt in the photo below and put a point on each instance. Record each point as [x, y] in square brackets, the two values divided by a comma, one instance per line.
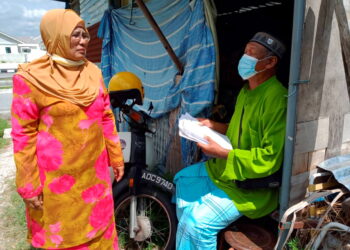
[256, 132]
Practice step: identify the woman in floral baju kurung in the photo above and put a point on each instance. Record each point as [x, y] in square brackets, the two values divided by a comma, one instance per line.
[64, 140]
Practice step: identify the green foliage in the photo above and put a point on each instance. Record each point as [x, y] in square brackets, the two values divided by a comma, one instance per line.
[13, 224]
[5, 87]
[3, 125]
[3, 142]
[294, 244]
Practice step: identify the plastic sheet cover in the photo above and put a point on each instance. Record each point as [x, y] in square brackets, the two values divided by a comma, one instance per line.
[340, 168]
[130, 44]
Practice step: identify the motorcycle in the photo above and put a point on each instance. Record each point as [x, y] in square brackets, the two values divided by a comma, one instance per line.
[145, 216]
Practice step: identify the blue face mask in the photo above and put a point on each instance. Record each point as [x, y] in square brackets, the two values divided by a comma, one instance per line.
[246, 66]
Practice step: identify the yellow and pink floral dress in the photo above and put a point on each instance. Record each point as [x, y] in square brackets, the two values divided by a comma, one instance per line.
[63, 151]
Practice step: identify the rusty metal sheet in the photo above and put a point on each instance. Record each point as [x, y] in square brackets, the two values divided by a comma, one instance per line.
[95, 45]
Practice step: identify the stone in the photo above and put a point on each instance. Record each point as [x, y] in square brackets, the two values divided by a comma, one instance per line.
[7, 133]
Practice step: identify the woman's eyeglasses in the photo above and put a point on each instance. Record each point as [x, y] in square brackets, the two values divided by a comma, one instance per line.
[77, 35]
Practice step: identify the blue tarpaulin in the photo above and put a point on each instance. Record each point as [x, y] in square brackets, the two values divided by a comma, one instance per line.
[130, 44]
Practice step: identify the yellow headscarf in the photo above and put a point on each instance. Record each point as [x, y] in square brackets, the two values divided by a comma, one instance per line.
[78, 82]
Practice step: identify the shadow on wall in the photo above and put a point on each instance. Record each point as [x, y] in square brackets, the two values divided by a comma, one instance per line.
[344, 30]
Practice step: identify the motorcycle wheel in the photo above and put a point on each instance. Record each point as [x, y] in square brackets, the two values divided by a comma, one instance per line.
[156, 220]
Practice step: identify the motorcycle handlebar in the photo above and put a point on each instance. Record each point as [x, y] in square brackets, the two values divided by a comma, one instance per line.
[138, 119]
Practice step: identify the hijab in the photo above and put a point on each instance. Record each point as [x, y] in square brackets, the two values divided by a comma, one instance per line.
[56, 73]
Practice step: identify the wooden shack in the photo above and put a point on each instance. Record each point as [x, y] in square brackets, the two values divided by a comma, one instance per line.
[320, 127]
[323, 108]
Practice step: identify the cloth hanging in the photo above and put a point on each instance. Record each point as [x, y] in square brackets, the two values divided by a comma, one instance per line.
[130, 44]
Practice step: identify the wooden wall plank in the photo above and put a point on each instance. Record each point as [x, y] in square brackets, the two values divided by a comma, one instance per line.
[316, 158]
[346, 128]
[305, 162]
[344, 36]
[323, 106]
[311, 136]
[300, 163]
[316, 42]
[299, 184]
[326, 94]
[345, 149]
[174, 158]
[335, 97]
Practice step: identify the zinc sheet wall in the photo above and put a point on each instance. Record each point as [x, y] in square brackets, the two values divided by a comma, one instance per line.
[92, 10]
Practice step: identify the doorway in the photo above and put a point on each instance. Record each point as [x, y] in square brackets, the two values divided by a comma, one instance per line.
[237, 22]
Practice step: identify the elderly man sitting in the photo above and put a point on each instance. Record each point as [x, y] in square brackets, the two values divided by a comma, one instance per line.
[209, 194]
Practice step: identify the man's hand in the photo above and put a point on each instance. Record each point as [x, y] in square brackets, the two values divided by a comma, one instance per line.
[206, 122]
[118, 173]
[217, 126]
[213, 149]
[35, 202]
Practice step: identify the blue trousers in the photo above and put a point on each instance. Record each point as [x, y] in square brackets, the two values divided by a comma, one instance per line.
[202, 209]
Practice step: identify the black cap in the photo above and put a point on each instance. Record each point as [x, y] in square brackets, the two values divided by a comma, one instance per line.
[270, 42]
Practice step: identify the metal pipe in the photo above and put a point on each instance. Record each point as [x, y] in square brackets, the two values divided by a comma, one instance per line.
[133, 227]
[325, 229]
[160, 35]
[298, 21]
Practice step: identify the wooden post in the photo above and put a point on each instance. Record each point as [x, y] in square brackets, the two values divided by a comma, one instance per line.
[160, 35]
[344, 37]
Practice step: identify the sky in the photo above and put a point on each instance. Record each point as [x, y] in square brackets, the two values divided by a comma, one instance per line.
[21, 18]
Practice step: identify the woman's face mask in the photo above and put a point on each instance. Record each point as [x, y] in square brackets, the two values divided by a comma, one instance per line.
[246, 66]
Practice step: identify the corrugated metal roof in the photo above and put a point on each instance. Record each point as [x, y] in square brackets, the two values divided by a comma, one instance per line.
[340, 168]
[9, 39]
[6, 42]
[237, 7]
[92, 10]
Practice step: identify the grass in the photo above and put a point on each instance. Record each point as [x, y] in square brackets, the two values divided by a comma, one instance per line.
[4, 142]
[5, 87]
[13, 227]
[13, 224]
[3, 125]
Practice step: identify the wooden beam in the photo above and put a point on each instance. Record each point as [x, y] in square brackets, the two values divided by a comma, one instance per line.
[344, 37]
[160, 35]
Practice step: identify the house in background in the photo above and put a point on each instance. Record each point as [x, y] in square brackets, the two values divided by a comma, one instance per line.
[17, 50]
